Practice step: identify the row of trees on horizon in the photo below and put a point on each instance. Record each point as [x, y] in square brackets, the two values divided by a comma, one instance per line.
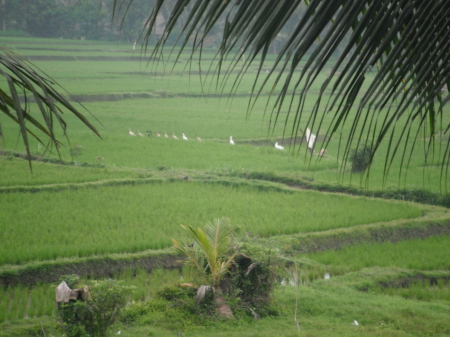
[73, 19]
[91, 20]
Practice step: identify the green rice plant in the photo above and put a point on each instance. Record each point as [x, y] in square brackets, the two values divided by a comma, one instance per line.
[214, 119]
[418, 254]
[125, 219]
[4, 304]
[422, 291]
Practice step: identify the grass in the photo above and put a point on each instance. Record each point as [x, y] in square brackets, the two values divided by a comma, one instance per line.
[96, 221]
[326, 307]
[126, 194]
[418, 254]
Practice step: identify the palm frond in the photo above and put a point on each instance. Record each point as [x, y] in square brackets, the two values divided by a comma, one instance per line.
[405, 43]
[26, 84]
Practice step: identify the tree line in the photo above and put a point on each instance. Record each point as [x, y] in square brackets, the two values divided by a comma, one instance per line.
[91, 20]
[73, 19]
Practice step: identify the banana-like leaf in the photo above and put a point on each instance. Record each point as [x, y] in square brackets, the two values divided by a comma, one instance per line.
[405, 43]
[26, 84]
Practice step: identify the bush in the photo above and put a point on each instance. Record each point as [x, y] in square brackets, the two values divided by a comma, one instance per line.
[94, 316]
[361, 159]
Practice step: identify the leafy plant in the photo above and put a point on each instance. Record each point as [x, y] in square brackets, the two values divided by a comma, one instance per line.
[361, 159]
[210, 256]
[94, 316]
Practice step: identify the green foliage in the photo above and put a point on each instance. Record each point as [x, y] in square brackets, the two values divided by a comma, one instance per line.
[211, 255]
[252, 282]
[173, 307]
[71, 280]
[361, 159]
[94, 316]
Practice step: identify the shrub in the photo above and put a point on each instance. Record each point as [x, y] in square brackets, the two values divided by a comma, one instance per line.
[361, 158]
[94, 316]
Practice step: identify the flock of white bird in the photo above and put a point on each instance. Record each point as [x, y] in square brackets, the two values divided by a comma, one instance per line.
[310, 139]
[149, 133]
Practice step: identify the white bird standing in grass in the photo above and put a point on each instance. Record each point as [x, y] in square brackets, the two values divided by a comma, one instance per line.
[174, 137]
[157, 134]
[165, 134]
[231, 140]
[310, 139]
[278, 147]
[198, 138]
[184, 136]
[355, 323]
[140, 134]
[131, 133]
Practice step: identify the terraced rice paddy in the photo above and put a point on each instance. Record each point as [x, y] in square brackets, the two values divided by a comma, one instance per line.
[111, 206]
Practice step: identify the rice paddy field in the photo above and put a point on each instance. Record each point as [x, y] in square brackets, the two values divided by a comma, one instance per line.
[121, 199]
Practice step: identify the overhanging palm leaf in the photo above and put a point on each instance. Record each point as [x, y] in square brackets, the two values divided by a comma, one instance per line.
[24, 81]
[405, 42]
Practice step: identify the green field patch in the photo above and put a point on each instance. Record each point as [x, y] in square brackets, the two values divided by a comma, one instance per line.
[96, 221]
[16, 172]
[418, 254]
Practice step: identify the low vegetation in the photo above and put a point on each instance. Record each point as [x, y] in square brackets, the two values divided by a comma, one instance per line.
[329, 247]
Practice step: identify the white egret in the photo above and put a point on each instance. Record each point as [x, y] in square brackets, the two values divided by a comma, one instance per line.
[231, 140]
[310, 139]
[184, 136]
[355, 323]
[157, 134]
[131, 133]
[278, 147]
[165, 134]
[198, 138]
[174, 137]
[140, 134]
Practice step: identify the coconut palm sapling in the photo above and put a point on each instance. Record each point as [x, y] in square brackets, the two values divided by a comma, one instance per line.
[210, 257]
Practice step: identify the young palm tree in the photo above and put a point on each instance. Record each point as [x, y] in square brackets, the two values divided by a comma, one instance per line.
[210, 257]
[405, 43]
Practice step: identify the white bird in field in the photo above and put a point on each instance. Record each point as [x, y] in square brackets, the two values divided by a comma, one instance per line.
[131, 133]
[231, 140]
[165, 134]
[157, 134]
[278, 147]
[184, 136]
[198, 138]
[355, 323]
[140, 134]
[322, 152]
[134, 46]
[174, 137]
[310, 139]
